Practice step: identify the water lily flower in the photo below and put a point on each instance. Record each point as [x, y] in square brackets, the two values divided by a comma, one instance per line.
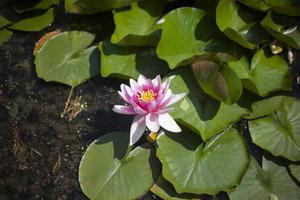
[151, 101]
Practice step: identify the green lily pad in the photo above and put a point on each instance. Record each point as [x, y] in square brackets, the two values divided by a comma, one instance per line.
[202, 168]
[290, 36]
[271, 182]
[137, 26]
[126, 62]
[85, 7]
[166, 191]
[287, 7]
[295, 171]
[107, 172]
[239, 24]
[65, 59]
[198, 111]
[5, 35]
[278, 133]
[220, 82]
[35, 23]
[265, 74]
[21, 7]
[179, 41]
[256, 4]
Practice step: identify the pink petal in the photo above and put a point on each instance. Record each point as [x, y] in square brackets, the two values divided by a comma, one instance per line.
[137, 129]
[134, 85]
[165, 85]
[156, 83]
[142, 80]
[152, 122]
[137, 108]
[123, 96]
[166, 98]
[175, 98]
[168, 123]
[127, 110]
[127, 91]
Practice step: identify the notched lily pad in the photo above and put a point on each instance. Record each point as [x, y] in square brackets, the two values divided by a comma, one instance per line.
[279, 130]
[65, 58]
[265, 74]
[107, 172]
[271, 182]
[202, 168]
[198, 111]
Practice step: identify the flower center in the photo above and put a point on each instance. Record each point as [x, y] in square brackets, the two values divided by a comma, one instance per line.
[147, 95]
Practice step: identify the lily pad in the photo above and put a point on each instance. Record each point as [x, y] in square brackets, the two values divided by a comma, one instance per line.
[295, 171]
[198, 111]
[265, 74]
[35, 23]
[179, 41]
[290, 36]
[166, 191]
[5, 35]
[256, 4]
[126, 62]
[202, 168]
[21, 7]
[137, 26]
[271, 182]
[107, 172]
[86, 7]
[65, 59]
[239, 24]
[279, 132]
[220, 82]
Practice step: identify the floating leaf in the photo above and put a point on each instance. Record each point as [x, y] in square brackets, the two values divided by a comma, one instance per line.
[35, 23]
[295, 171]
[278, 133]
[107, 172]
[85, 7]
[65, 59]
[202, 168]
[219, 82]
[198, 111]
[21, 7]
[128, 62]
[44, 39]
[290, 36]
[287, 7]
[166, 191]
[256, 4]
[137, 26]
[5, 35]
[178, 41]
[239, 24]
[264, 75]
[271, 182]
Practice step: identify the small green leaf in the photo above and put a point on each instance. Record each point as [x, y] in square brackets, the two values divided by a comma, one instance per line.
[4, 22]
[65, 59]
[271, 182]
[179, 41]
[202, 168]
[239, 25]
[279, 132]
[264, 75]
[290, 36]
[295, 171]
[107, 172]
[85, 7]
[35, 23]
[5, 35]
[126, 62]
[219, 82]
[137, 26]
[286, 7]
[198, 111]
[166, 191]
[21, 7]
[256, 4]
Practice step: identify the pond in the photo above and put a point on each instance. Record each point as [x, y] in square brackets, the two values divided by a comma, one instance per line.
[43, 139]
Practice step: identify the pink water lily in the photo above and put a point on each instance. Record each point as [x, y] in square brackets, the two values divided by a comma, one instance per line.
[151, 101]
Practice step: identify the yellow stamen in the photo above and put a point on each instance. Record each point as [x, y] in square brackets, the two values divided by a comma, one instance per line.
[152, 137]
[147, 95]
